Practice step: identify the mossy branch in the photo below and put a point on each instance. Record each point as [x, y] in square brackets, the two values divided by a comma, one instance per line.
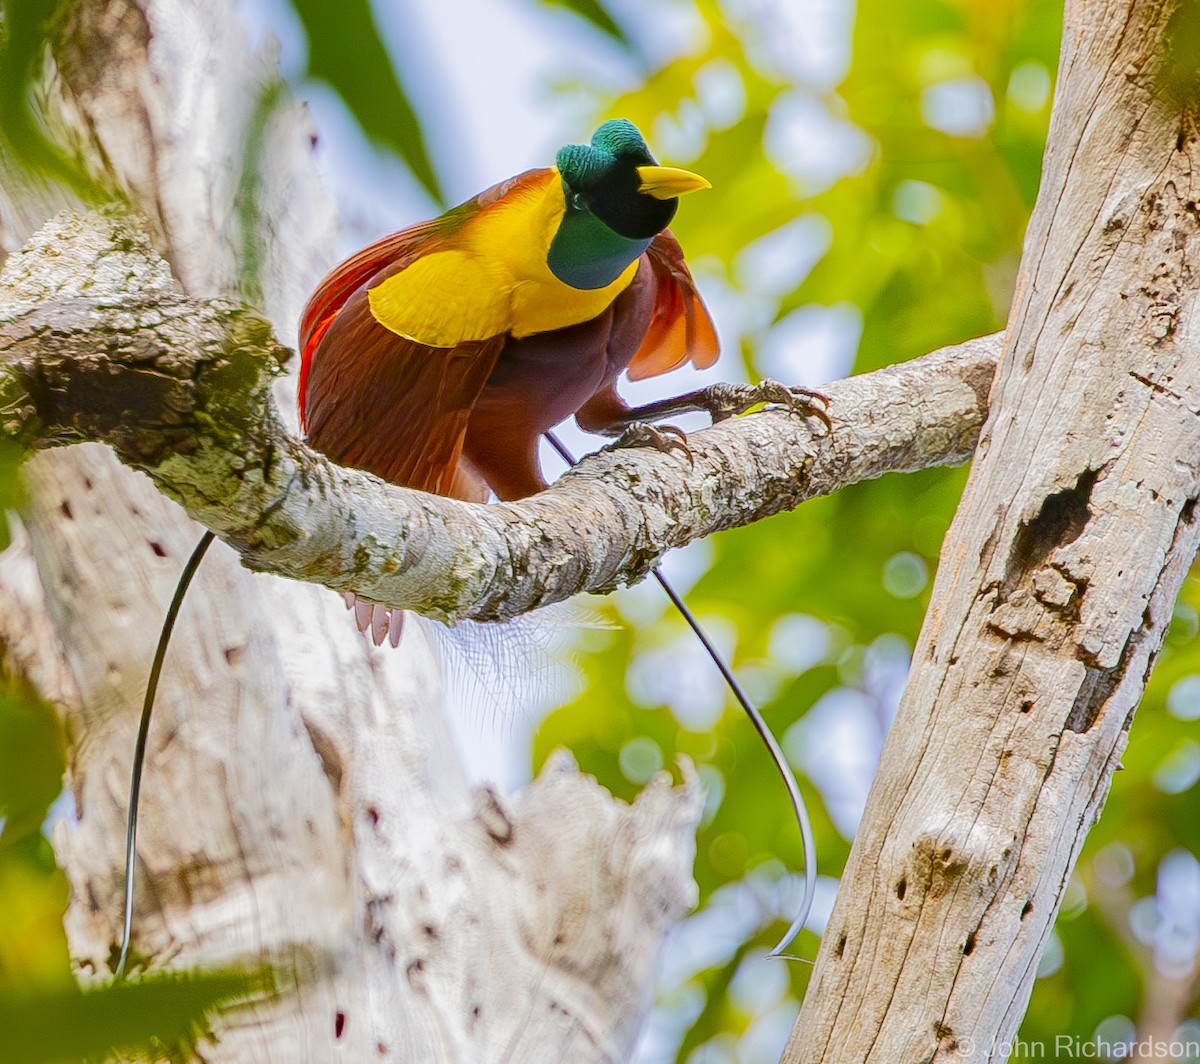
[96, 343]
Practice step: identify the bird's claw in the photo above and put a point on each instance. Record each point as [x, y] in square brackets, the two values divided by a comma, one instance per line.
[665, 438]
[727, 400]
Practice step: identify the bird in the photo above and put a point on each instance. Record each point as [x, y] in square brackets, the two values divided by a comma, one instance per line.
[437, 357]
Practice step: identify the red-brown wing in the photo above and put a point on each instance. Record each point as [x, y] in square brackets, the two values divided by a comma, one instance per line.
[396, 250]
[395, 408]
[390, 254]
[681, 329]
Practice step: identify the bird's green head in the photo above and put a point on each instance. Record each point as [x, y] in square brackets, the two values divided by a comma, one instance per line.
[617, 200]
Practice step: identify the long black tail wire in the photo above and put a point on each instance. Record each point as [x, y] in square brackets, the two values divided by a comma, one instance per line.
[784, 769]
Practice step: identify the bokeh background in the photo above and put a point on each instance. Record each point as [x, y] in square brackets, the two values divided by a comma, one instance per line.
[873, 166]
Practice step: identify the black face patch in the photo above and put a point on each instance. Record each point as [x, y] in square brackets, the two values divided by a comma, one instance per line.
[616, 201]
[586, 253]
[606, 184]
[607, 223]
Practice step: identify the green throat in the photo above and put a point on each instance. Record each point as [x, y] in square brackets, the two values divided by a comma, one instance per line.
[585, 253]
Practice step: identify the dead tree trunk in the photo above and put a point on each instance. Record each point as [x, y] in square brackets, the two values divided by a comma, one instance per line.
[1056, 582]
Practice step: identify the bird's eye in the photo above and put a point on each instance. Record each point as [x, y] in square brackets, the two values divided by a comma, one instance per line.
[577, 202]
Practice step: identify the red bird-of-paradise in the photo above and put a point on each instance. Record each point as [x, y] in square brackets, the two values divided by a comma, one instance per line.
[436, 357]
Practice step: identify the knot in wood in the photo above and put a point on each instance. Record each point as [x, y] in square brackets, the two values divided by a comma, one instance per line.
[961, 853]
[495, 818]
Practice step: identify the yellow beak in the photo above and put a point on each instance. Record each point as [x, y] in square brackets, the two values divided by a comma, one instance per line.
[667, 182]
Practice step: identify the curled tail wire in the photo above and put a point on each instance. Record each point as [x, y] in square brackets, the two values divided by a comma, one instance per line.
[760, 725]
[799, 809]
[139, 751]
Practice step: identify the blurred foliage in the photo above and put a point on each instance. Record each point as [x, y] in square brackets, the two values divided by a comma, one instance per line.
[33, 948]
[1179, 77]
[161, 1015]
[597, 14]
[345, 50]
[24, 26]
[12, 494]
[919, 234]
[251, 224]
[27, 149]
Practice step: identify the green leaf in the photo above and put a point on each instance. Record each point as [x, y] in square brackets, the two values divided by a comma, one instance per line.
[1179, 75]
[160, 1011]
[594, 12]
[33, 893]
[12, 494]
[31, 763]
[344, 49]
[253, 227]
[25, 28]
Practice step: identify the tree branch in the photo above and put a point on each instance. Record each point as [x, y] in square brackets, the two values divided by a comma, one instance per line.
[180, 388]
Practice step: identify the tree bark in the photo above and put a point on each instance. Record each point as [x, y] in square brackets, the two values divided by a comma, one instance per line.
[1055, 587]
[181, 389]
[303, 803]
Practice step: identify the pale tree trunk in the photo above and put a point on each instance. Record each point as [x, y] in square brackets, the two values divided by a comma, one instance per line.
[303, 803]
[1055, 586]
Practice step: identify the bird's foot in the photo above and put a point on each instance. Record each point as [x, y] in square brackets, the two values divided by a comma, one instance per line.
[665, 438]
[381, 623]
[727, 400]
